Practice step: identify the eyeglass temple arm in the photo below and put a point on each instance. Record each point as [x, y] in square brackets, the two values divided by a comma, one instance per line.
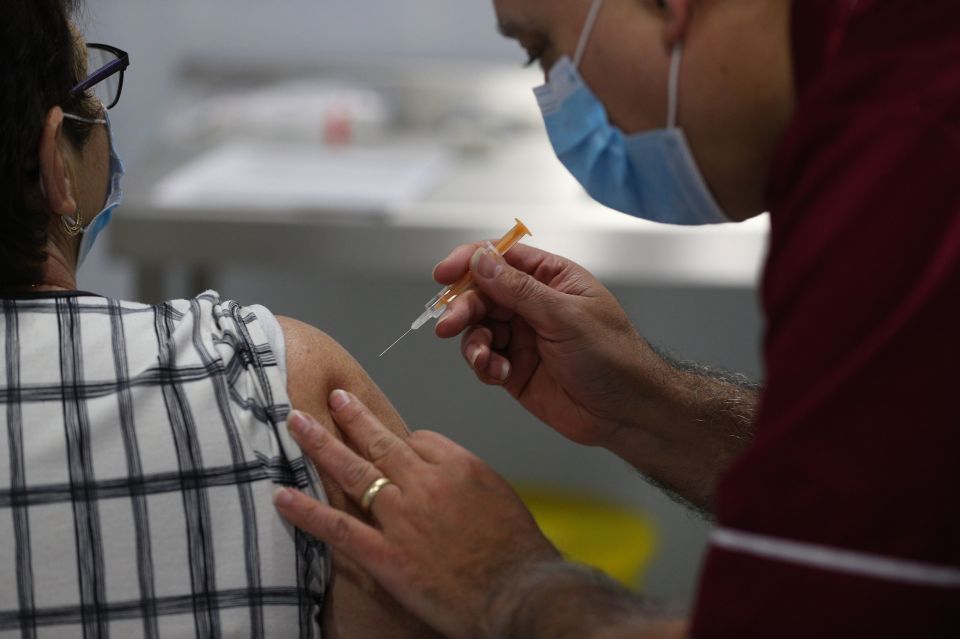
[114, 66]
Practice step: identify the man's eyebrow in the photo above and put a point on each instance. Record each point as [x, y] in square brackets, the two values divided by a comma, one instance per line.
[512, 28]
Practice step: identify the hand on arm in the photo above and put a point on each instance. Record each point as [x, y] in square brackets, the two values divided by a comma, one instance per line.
[558, 341]
[452, 542]
[356, 606]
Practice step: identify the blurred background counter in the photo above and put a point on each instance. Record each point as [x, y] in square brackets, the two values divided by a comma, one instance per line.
[376, 169]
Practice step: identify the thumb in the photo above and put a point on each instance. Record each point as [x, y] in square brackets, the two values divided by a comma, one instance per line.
[515, 290]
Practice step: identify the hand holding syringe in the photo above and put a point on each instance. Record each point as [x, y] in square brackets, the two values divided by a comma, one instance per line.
[436, 306]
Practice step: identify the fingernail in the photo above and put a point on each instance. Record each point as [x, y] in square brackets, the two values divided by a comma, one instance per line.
[474, 354]
[504, 371]
[299, 422]
[339, 399]
[475, 258]
[486, 262]
[282, 497]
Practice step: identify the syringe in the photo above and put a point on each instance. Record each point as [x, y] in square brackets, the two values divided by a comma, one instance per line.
[438, 304]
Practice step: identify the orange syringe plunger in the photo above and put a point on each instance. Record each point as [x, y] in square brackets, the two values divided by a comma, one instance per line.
[436, 306]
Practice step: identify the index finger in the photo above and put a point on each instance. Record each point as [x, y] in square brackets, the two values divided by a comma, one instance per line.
[372, 439]
[523, 257]
[467, 310]
[452, 267]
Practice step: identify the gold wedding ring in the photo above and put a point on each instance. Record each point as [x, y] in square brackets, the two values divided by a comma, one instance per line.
[371, 493]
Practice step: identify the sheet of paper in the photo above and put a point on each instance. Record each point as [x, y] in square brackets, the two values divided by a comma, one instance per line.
[331, 180]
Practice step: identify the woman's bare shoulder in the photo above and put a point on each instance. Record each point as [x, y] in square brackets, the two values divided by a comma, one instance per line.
[317, 365]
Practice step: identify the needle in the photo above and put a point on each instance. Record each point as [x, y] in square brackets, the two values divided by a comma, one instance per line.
[395, 343]
[437, 306]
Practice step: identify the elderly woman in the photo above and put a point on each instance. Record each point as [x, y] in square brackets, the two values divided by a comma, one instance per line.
[144, 443]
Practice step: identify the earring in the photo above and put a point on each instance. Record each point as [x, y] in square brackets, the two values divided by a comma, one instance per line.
[73, 227]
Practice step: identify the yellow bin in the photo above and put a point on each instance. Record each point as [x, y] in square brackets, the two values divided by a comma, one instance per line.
[615, 539]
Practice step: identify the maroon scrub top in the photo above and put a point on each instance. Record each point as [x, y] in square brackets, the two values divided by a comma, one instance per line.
[843, 517]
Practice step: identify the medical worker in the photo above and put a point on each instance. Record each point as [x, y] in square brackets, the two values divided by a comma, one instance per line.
[836, 486]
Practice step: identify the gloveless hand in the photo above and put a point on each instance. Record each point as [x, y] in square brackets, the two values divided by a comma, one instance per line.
[555, 338]
[451, 535]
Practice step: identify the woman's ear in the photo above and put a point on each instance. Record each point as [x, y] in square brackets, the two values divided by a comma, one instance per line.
[55, 183]
[678, 15]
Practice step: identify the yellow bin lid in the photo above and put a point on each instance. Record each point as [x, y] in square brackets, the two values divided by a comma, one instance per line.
[615, 539]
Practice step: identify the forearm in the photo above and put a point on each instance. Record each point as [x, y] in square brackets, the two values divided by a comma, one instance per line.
[560, 600]
[685, 438]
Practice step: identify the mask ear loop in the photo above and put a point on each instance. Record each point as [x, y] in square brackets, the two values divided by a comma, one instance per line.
[77, 118]
[673, 85]
[586, 32]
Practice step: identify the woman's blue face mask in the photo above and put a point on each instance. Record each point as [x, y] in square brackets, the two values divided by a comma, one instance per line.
[652, 175]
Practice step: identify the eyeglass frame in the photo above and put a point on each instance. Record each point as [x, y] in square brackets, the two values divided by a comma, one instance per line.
[106, 71]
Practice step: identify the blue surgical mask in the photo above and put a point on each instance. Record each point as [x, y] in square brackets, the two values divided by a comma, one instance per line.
[114, 193]
[652, 175]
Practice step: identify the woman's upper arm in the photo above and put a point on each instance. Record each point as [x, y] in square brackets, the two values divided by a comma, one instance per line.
[316, 366]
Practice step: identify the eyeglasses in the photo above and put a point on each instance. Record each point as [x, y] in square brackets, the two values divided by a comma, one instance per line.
[106, 80]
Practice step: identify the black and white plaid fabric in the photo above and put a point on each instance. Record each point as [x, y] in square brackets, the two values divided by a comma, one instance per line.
[143, 445]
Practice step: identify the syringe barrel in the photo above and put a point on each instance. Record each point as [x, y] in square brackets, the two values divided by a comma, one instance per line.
[512, 236]
[436, 306]
[465, 283]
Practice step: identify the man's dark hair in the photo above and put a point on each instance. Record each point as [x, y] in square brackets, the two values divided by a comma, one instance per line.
[40, 67]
